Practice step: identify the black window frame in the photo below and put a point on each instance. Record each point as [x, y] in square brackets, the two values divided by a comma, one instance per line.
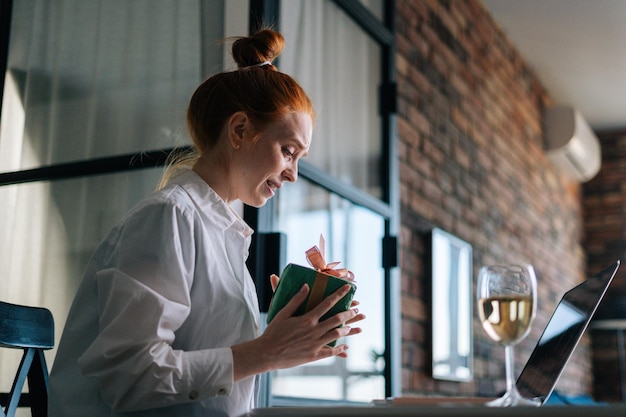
[382, 32]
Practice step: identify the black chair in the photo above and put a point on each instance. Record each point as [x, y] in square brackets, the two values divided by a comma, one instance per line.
[32, 330]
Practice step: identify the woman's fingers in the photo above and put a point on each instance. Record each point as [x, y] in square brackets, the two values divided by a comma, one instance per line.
[294, 340]
[293, 304]
[274, 281]
[333, 327]
[339, 332]
[328, 302]
[356, 318]
[294, 336]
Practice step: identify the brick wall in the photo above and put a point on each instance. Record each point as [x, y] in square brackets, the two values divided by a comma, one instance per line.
[471, 163]
[605, 210]
[605, 241]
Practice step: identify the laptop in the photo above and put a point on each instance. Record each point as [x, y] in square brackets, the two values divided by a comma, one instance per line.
[562, 334]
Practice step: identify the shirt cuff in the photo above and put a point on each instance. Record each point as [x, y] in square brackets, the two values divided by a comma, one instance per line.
[210, 373]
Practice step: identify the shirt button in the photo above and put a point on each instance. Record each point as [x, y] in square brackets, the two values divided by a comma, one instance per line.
[222, 391]
[193, 395]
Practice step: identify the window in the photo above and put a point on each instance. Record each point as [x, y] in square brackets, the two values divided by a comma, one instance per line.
[93, 90]
[340, 67]
[341, 52]
[352, 235]
[75, 93]
[90, 88]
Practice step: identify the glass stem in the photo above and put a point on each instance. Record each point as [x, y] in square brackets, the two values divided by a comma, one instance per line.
[509, 363]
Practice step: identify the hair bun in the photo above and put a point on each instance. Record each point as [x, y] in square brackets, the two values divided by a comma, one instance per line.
[264, 45]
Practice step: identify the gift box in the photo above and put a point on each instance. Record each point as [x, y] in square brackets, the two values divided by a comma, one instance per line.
[322, 281]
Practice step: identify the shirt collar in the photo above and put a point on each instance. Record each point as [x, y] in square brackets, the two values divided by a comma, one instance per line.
[210, 203]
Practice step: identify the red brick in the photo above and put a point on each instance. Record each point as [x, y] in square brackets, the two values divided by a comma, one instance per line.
[472, 163]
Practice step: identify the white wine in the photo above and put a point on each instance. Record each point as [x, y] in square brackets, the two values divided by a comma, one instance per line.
[506, 319]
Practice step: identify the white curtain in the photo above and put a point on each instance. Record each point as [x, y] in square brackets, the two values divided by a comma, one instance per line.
[88, 79]
[339, 67]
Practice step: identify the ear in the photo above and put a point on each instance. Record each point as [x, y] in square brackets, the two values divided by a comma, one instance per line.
[238, 125]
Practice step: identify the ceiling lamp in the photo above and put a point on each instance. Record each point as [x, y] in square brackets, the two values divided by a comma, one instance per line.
[570, 143]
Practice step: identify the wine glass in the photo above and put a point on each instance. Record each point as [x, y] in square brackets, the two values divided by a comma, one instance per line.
[507, 297]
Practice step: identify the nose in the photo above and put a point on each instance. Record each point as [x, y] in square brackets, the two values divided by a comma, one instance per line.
[291, 172]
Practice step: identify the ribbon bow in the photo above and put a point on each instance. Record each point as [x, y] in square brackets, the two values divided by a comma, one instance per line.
[315, 257]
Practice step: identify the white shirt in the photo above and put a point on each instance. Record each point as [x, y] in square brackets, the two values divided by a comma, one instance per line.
[163, 298]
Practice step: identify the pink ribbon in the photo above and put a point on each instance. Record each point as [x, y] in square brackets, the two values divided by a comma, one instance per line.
[315, 257]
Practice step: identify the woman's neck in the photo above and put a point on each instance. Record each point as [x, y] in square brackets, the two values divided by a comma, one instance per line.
[214, 171]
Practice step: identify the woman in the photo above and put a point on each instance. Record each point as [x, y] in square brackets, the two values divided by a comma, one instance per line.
[165, 321]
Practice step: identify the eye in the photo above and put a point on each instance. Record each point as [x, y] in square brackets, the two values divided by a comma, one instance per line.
[288, 152]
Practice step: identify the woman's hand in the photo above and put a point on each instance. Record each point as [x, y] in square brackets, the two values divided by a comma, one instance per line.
[274, 283]
[290, 341]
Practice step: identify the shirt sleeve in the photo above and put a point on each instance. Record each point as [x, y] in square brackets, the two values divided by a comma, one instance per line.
[143, 298]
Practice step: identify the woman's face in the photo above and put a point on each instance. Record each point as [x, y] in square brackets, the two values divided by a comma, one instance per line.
[264, 164]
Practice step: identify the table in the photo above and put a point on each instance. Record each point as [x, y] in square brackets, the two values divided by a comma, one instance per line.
[618, 326]
[613, 410]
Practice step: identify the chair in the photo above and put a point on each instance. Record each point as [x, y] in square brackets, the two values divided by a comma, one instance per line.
[32, 330]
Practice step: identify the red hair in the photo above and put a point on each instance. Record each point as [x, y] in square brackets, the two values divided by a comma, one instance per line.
[256, 88]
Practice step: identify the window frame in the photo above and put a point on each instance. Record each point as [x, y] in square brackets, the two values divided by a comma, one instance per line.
[387, 207]
[6, 7]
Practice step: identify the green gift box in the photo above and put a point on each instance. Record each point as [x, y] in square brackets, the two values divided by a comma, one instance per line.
[321, 285]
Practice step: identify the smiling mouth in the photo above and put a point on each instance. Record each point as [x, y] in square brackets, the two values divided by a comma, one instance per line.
[272, 186]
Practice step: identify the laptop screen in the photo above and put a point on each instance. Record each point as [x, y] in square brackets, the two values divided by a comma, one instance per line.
[561, 335]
